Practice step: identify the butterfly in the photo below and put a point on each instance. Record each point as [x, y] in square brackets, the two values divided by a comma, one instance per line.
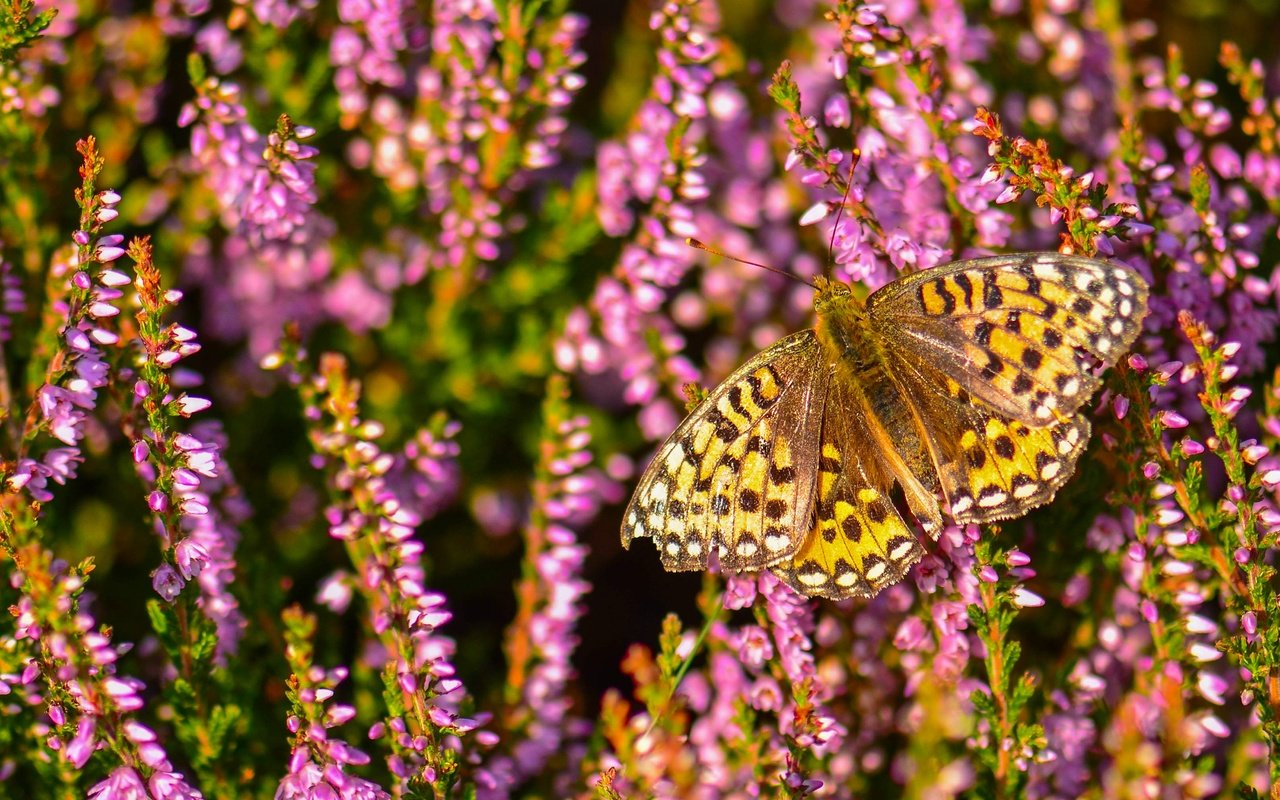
[958, 388]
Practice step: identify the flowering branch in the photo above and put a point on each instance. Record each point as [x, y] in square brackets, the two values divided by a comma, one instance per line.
[540, 641]
[1078, 201]
[1256, 642]
[318, 764]
[1010, 742]
[376, 527]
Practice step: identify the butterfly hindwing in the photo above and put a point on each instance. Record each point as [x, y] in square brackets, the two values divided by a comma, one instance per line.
[737, 475]
[1008, 468]
[990, 467]
[858, 543]
[1014, 330]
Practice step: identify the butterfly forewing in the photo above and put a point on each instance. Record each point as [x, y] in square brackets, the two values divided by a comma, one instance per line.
[737, 475]
[1014, 330]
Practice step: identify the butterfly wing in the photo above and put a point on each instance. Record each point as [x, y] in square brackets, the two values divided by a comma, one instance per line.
[1014, 330]
[736, 475]
[990, 467]
[857, 543]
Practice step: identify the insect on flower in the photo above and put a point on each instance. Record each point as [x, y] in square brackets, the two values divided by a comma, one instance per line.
[963, 383]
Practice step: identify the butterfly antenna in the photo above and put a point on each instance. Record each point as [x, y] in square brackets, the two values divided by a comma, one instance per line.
[703, 246]
[848, 185]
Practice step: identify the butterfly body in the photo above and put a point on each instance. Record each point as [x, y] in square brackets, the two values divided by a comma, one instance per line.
[954, 388]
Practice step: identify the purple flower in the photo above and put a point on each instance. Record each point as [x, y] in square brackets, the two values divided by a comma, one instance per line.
[279, 13]
[319, 765]
[13, 301]
[166, 582]
[551, 598]
[124, 783]
[1069, 737]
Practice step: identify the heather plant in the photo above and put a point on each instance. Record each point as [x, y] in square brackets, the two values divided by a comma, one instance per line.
[333, 338]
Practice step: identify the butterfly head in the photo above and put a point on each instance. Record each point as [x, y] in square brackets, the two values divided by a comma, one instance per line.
[834, 297]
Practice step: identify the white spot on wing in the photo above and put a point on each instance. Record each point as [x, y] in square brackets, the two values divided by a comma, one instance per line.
[673, 457]
[1025, 490]
[1047, 272]
[900, 552]
[994, 499]
[813, 578]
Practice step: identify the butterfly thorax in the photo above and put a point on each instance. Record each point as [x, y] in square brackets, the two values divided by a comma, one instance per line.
[843, 329]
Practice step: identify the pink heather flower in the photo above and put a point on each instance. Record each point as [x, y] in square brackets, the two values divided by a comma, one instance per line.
[754, 647]
[1203, 653]
[1025, 598]
[572, 497]
[307, 780]
[1212, 687]
[1252, 454]
[426, 474]
[792, 623]
[281, 13]
[188, 405]
[13, 301]
[911, 635]
[740, 591]
[1070, 736]
[171, 786]
[81, 747]
[335, 592]
[318, 763]
[123, 783]
[281, 192]
[166, 582]
[1249, 623]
